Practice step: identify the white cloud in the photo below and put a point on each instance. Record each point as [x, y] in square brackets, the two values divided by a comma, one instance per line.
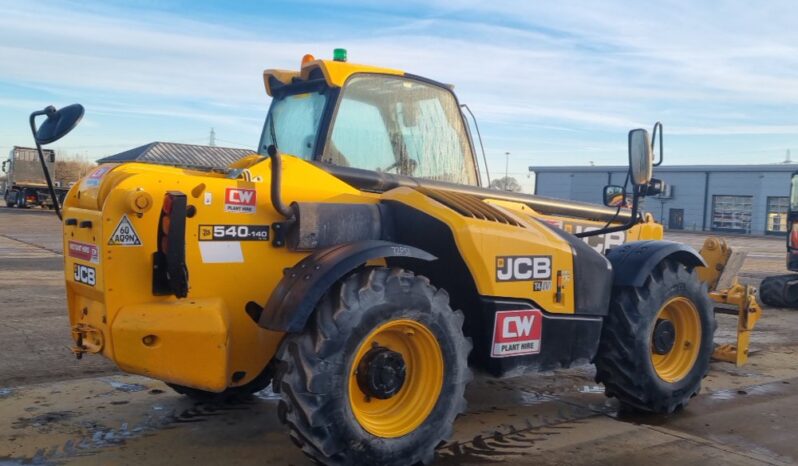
[711, 69]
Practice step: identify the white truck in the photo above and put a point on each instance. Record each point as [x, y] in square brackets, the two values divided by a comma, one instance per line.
[25, 184]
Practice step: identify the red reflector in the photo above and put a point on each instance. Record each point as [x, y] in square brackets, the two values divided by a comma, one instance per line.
[794, 238]
[167, 204]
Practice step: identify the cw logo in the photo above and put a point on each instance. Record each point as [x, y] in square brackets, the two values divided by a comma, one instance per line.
[241, 196]
[517, 326]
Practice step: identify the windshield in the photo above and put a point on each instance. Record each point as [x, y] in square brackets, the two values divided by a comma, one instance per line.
[403, 126]
[294, 121]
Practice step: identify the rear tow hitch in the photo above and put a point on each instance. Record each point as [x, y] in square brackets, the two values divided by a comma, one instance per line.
[87, 340]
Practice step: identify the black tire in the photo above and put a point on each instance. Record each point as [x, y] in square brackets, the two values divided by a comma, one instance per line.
[773, 291]
[313, 376]
[624, 359]
[253, 386]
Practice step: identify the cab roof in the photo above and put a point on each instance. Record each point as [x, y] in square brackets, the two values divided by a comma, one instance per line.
[334, 72]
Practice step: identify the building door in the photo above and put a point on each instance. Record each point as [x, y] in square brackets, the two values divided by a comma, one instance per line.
[676, 219]
[732, 213]
[777, 215]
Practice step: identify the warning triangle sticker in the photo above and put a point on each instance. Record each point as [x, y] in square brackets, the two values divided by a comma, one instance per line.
[124, 234]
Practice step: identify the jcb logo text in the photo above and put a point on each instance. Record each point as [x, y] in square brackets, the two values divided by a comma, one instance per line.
[523, 268]
[84, 274]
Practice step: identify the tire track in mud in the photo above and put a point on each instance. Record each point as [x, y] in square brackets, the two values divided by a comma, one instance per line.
[514, 441]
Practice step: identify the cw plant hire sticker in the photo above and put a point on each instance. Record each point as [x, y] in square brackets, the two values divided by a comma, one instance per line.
[124, 234]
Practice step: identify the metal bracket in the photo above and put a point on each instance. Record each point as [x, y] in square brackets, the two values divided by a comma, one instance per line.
[278, 234]
[748, 312]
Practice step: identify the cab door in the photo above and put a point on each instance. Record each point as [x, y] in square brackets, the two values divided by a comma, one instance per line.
[792, 225]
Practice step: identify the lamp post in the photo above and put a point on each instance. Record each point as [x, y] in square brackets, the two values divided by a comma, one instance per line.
[506, 169]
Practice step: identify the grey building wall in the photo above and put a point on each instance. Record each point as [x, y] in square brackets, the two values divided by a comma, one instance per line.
[688, 195]
[693, 189]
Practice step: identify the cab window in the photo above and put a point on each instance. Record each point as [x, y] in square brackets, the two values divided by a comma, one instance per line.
[402, 126]
[292, 124]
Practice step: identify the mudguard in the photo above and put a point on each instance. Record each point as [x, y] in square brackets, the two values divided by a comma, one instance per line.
[303, 285]
[634, 261]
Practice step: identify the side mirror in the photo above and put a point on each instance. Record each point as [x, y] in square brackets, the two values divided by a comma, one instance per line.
[640, 162]
[58, 123]
[614, 196]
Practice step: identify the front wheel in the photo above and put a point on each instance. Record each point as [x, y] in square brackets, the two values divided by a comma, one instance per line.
[378, 374]
[657, 341]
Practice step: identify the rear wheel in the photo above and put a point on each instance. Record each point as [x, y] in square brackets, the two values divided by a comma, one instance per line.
[779, 291]
[657, 341]
[378, 375]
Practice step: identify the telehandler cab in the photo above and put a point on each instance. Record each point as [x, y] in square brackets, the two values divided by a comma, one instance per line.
[355, 263]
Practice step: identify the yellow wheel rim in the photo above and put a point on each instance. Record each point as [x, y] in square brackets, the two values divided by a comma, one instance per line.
[409, 407]
[675, 364]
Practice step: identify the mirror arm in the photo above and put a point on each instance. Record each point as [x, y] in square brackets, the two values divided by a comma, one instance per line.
[47, 111]
[657, 131]
[629, 224]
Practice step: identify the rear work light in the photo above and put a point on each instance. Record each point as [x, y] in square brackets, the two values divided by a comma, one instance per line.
[170, 274]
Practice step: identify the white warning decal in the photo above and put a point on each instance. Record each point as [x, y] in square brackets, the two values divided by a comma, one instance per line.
[517, 332]
[124, 234]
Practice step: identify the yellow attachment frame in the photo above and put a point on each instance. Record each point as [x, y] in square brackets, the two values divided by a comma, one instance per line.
[720, 275]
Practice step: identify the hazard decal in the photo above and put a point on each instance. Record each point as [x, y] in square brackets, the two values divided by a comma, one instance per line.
[517, 333]
[84, 251]
[124, 234]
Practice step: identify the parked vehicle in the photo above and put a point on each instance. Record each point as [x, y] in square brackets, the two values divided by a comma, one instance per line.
[25, 184]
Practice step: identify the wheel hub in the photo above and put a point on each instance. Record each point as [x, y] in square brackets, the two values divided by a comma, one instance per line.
[664, 336]
[381, 373]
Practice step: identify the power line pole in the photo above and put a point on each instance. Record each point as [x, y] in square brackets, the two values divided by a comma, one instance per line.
[212, 142]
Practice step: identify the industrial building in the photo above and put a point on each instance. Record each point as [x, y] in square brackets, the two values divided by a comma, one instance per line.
[746, 199]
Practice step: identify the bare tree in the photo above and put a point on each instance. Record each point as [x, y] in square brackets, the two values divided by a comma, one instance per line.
[71, 168]
[506, 183]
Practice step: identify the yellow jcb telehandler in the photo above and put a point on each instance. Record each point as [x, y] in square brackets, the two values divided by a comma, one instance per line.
[355, 263]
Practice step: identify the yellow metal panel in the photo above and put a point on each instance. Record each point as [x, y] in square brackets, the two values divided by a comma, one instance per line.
[236, 282]
[184, 342]
[481, 243]
[335, 72]
[284, 76]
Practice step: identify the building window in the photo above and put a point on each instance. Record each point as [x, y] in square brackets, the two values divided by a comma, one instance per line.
[732, 213]
[777, 215]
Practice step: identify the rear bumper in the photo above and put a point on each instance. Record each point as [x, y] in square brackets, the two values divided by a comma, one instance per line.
[184, 342]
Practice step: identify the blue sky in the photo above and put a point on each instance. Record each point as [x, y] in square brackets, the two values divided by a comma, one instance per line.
[553, 83]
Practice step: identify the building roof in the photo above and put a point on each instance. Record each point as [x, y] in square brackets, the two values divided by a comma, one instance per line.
[776, 167]
[183, 155]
